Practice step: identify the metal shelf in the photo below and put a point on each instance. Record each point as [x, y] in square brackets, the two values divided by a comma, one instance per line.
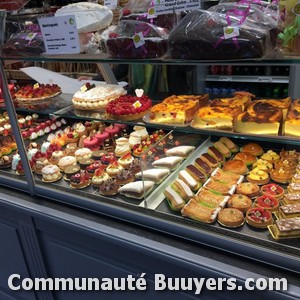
[246, 78]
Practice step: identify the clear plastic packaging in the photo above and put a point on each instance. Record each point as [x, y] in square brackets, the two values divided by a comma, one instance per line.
[11, 5]
[136, 39]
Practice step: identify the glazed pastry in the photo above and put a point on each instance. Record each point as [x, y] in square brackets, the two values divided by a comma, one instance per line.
[235, 166]
[214, 152]
[266, 202]
[182, 189]
[182, 151]
[51, 173]
[203, 166]
[229, 144]
[113, 169]
[101, 137]
[124, 177]
[197, 174]
[223, 149]
[253, 148]
[246, 157]
[273, 190]
[281, 175]
[100, 176]
[231, 217]
[240, 202]
[285, 164]
[219, 187]
[80, 180]
[66, 161]
[259, 217]
[289, 211]
[286, 228]
[291, 155]
[248, 189]
[122, 147]
[170, 162]
[156, 175]
[137, 189]
[270, 156]
[226, 177]
[258, 176]
[70, 171]
[174, 200]
[190, 180]
[206, 197]
[91, 143]
[263, 165]
[211, 161]
[112, 130]
[83, 153]
[109, 187]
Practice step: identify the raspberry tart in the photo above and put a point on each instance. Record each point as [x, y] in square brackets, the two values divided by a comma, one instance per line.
[273, 190]
[128, 108]
[266, 202]
[80, 180]
[259, 217]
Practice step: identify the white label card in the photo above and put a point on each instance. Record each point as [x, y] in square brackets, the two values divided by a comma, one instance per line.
[111, 3]
[170, 6]
[138, 40]
[151, 13]
[231, 32]
[60, 34]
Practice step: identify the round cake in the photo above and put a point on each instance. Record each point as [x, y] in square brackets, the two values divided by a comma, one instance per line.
[259, 217]
[91, 97]
[231, 217]
[51, 173]
[128, 108]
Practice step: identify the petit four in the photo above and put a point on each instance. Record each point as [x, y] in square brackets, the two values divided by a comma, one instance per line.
[289, 211]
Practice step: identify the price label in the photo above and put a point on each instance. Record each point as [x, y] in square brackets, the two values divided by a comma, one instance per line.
[225, 78]
[138, 40]
[151, 13]
[265, 79]
[231, 32]
[111, 3]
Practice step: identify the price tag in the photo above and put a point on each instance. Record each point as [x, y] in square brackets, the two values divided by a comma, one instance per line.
[111, 3]
[225, 78]
[265, 79]
[151, 13]
[84, 88]
[138, 40]
[36, 86]
[60, 34]
[30, 36]
[231, 32]
[137, 104]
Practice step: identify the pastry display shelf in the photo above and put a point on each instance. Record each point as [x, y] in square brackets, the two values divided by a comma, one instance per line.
[246, 78]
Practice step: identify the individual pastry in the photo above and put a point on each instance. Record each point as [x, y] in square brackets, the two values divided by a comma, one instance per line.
[141, 131]
[203, 166]
[197, 174]
[80, 129]
[291, 155]
[211, 161]
[124, 177]
[126, 160]
[285, 228]
[240, 202]
[30, 153]
[5, 162]
[170, 162]
[289, 211]
[258, 176]
[226, 177]
[112, 130]
[174, 200]
[122, 147]
[97, 155]
[200, 212]
[137, 189]
[281, 175]
[259, 217]
[219, 187]
[108, 158]
[291, 199]
[296, 178]
[91, 143]
[246, 157]
[263, 165]
[66, 161]
[293, 188]
[285, 164]
[15, 159]
[223, 149]
[134, 139]
[214, 152]
[83, 153]
[45, 146]
[248, 189]
[270, 156]
[109, 187]
[80, 180]
[109, 145]
[70, 171]
[182, 189]
[100, 176]
[71, 149]
[253, 148]
[266, 202]
[85, 162]
[113, 169]
[182, 151]
[189, 180]
[51, 173]
[231, 217]
[273, 190]
[40, 163]
[91, 169]
[156, 175]
[229, 144]
[209, 198]
[91, 125]
[235, 166]
[101, 136]
[71, 136]
[56, 156]
[135, 166]
[34, 145]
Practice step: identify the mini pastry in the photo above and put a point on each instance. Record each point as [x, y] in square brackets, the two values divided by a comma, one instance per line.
[134, 139]
[270, 156]
[126, 160]
[91, 169]
[293, 188]
[259, 217]
[71, 149]
[214, 152]
[109, 145]
[51, 173]
[253, 148]
[15, 160]
[285, 164]
[258, 176]
[112, 130]
[97, 155]
[91, 143]
[182, 151]
[122, 147]
[83, 153]
[286, 228]
[40, 163]
[90, 126]
[240, 202]
[156, 175]
[248, 189]
[296, 178]
[84, 162]
[291, 199]
[263, 165]
[34, 145]
[235, 166]
[113, 169]
[45, 147]
[109, 187]
[246, 157]
[30, 153]
[229, 144]
[219, 187]
[189, 180]
[80, 180]
[124, 177]
[80, 129]
[101, 137]
[207, 197]
[5, 162]
[197, 174]
[291, 155]
[273, 190]
[56, 156]
[141, 131]
[100, 176]
[137, 189]
[71, 170]
[266, 202]
[231, 217]
[211, 161]
[71, 136]
[223, 149]
[174, 200]
[66, 161]
[108, 158]
[170, 162]
[281, 175]
[200, 212]
[135, 166]
[226, 177]
[203, 166]
[289, 211]
[182, 189]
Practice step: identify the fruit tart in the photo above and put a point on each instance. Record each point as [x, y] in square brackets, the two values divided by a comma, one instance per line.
[80, 180]
[259, 217]
[100, 176]
[266, 202]
[37, 92]
[126, 160]
[91, 169]
[273, 190]
[109, 187]
[258, 176]
[113, 169]
[281, 175]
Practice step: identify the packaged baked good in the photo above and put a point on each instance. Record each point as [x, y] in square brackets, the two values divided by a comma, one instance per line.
[136, 39]
[208, 35]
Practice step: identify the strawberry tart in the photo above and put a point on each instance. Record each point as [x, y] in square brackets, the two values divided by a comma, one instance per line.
[128, 108]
